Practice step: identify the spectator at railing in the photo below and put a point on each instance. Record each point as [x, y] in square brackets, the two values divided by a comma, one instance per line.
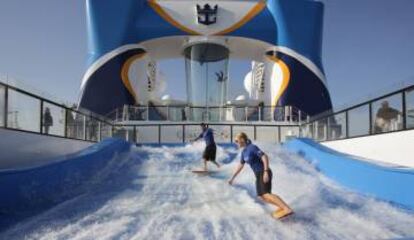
[183, 115]
[385, 118]
[279, 114]
[47, 120]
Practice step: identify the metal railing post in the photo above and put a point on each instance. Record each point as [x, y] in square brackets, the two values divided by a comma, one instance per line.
[370, 118]
[41, 117]
[231, 133]
[147, 113]
[159, 133]
[404, 110]
[255, 132]
[260, 113]
[65, 133]
[183, 133]
[279, 131]
[245, 114]
[6, 106]
[84, 127]
[100, 131]
[346, 124]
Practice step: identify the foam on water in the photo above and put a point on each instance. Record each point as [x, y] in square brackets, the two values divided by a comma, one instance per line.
[155, 196]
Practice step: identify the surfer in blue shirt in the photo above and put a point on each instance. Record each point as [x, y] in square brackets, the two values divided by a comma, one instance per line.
[259, 163]
[210, 150]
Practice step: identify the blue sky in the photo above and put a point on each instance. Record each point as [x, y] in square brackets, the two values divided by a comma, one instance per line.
[368, 47]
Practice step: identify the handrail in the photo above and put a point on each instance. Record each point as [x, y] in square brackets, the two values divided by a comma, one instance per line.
[86, 126]
[88, 117]
[327, 113]
[397, 123]
[250, 114]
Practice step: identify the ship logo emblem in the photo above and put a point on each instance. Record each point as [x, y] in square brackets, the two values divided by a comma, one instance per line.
[207, 15]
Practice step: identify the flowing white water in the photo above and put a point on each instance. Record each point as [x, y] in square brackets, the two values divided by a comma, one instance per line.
[155, 196]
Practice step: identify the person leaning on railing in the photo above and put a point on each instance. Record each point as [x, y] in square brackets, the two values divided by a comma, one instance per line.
[386, 118]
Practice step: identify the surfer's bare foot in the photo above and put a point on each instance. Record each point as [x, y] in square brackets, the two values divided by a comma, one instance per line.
[281, 213]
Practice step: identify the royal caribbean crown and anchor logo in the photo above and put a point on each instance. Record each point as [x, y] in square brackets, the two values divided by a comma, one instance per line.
[207, 15]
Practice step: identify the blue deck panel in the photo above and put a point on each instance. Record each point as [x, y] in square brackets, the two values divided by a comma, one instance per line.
[387, 183]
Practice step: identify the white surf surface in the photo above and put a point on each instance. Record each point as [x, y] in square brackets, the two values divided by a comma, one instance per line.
[155, 196]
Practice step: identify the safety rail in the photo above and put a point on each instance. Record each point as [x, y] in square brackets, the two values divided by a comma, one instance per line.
[185, 132]
[388, 113]
[211, 114]
[23, 111]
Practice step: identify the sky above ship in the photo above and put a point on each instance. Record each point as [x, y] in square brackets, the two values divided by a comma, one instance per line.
[368, 48]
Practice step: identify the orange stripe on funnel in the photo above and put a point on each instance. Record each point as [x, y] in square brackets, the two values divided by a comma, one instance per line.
[285, 80]
[125, 74]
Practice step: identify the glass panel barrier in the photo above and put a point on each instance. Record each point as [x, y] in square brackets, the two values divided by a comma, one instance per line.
[358, 121]
[267, 134]
[92, 129]
[387, 114]
[337, 126]
[106, 131]
[53, 119]
[177, 114]
[222, 112]
[124, 132]
[75, 126]
[266, 114]
[227, 114]
[321, 129]
[23, 111]
[409, 108]
[221, 133]
[249, 130]
[239, 114]
[191, 132]
[172, 134]
[147, 134]
[157, 113]
[279, 114]
[252, 114]
[198, 114]
[288, 132]
[138, 113]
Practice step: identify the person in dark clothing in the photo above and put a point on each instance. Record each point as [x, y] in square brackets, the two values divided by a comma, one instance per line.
[211, 148]
[259, 163]
[47, 120]
[384, 118]
[183, 115]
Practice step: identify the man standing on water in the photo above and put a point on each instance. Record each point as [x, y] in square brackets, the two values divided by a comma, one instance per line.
[259, 162]
[210, 150]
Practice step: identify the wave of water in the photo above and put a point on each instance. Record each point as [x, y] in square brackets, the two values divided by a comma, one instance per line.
[154, 195]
